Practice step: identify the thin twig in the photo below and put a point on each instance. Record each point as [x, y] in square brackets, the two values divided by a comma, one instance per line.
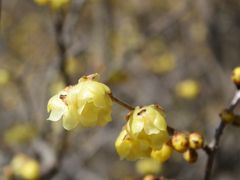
[212, 148]
[122, 103]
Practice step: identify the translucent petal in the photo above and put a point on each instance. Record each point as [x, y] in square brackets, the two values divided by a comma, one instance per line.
[99, 100]
[122, 145]
[136, 126]
[89, 115]
[57, 108]
[81, 106]
[157, 140]
[160, 122]
[162, 154]
[150, 128]
[104, 117]
[136, 122]
[55, 115]
[70, 120]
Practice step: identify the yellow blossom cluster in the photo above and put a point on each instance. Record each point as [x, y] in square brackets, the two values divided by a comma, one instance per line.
[145, 135]
[86, 104]
[54, 4]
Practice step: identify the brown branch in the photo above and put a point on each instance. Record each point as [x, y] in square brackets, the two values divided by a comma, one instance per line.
[62, 52]
[121, 103]
[61, 45]
[212, 148]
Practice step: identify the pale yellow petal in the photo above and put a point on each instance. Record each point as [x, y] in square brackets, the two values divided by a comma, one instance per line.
[70, 120]
[57, 108]
[89, 115]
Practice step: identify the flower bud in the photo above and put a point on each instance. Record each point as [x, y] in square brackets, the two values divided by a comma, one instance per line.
[148, 123]
[190, 156]
[195, 141]
[227, 116]
[180, 142]
[236, 76]
[162, 154]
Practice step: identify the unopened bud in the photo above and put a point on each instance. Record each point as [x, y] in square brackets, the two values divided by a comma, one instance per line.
[180, 142]
[190, 156]
[195, 140]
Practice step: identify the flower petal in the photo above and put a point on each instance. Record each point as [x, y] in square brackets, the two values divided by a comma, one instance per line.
[57, 108]
[70, 120]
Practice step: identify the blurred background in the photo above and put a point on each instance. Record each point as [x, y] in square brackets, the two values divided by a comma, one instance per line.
[178, 54]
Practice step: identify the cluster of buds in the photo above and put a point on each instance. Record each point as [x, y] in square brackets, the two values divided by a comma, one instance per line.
[187, 144]
[145, 135]
[54, 4]
[86, 104]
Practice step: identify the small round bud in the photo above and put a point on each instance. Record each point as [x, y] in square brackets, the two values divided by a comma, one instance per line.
[227, 116]
[180, 142]
[236, 76]
[190, 156]
[195, 141]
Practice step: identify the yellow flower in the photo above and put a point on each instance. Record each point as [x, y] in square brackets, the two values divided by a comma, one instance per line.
[187, 89]
[25, 167]
[148, 123]
[86, 104]
[162, 154]
[131, 149]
